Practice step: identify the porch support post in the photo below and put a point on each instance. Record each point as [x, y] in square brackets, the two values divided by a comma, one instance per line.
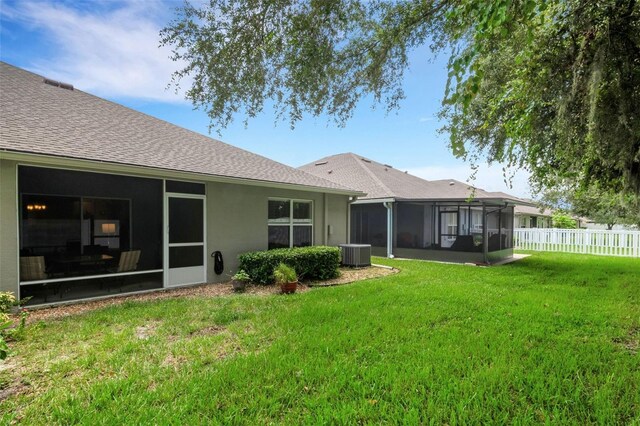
[485, 234]
[389, 206]
[325, 218]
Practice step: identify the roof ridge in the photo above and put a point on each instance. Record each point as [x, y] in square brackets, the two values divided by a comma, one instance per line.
[359, 161]
[118, 105]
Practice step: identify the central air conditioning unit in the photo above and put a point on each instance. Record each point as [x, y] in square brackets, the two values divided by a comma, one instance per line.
[356, 254]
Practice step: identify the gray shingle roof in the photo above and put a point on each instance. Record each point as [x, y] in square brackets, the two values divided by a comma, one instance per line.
[43, 119]
[383, 181]
[533, 210]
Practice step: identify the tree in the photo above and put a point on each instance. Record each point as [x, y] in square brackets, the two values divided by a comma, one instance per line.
[550, 86]
[562, 220]
[601, 206]
[607, 208]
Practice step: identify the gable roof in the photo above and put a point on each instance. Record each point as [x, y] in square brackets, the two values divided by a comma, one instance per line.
[41, 118]
[380, 181]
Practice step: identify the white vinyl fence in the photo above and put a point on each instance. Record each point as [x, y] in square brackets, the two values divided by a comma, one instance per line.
[589, 241]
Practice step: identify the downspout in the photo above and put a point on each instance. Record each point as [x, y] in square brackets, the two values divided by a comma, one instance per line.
[389, 206]
[325, 219]
[351, 201]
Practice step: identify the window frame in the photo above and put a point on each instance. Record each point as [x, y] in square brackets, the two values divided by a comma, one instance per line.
[291, 223]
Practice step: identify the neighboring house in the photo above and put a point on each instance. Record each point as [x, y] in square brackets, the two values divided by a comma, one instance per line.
[535, 217]
[98, 198]
[403, 215]
[532, 217]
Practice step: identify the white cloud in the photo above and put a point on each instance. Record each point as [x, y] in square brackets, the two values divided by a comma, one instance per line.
[108, 49]
[425, 119]
[489, 178]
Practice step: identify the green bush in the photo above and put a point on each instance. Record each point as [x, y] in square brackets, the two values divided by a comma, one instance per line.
[563, 221]
[310, 263]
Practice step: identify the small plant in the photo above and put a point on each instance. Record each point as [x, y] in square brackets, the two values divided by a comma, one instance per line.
[240, 280]
[5, 322]
[241, 275]
[284, 274]
[7, 301]
[287, 277]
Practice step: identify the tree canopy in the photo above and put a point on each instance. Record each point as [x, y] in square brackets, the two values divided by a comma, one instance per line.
[599, 205]
[549, 86]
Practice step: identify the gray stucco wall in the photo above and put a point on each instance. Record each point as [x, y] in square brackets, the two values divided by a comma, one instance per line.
[237, 221]
[8, 227]
[338, 219]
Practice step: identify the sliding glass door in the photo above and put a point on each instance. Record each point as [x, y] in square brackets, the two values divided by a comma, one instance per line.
[448, 228]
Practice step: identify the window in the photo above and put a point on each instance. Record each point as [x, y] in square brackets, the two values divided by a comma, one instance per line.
[290, 223]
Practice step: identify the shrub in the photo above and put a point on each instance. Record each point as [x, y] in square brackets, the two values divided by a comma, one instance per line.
[311, 263]
[563, 221]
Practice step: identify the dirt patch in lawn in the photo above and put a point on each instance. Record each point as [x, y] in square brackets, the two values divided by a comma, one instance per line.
[630, 342]
[208, 331]
[347, 275]
[13, 389]
[145, 331]
[16, 386]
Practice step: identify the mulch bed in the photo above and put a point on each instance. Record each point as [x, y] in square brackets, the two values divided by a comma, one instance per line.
[350, 275]
[347, 275]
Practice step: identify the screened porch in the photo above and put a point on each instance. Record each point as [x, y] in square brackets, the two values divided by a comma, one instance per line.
[475, 232]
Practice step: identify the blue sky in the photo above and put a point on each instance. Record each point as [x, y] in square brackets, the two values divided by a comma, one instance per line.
[110, 49]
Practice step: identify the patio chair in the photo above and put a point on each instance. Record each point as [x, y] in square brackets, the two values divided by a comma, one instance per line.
[128, 261]
[32, 268]
[463, 243]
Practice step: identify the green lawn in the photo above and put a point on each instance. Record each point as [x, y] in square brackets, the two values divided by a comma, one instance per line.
[552, 338]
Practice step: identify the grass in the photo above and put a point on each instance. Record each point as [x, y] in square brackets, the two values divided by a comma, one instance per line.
[552, 338]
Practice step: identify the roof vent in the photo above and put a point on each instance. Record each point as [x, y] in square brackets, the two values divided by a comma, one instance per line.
[386, 165]
[365, 160]
[320, 163]
[59, 84]
[330, 171]
[451, 183]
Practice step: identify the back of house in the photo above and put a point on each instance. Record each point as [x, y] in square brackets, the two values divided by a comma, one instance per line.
[96, 198]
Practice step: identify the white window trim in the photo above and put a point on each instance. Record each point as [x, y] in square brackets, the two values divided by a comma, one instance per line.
[291, 223]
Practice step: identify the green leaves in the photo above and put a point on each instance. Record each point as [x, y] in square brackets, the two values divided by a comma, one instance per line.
[311, 263]
[551, 86]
